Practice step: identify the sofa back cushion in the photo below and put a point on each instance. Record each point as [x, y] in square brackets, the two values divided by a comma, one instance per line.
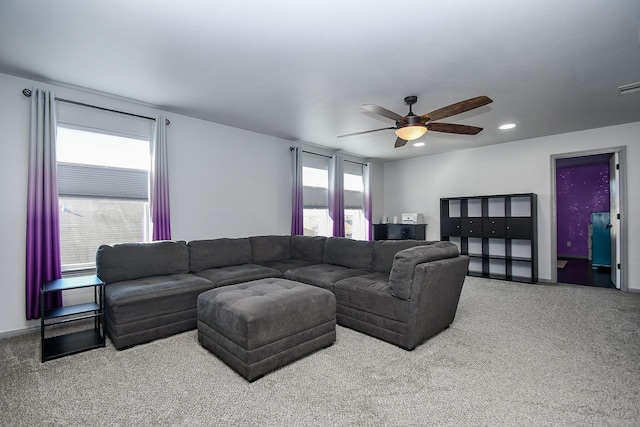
[308, 248]
[130, 261]
[348, 253]
[215, 253]
[405, 261]
[270, 248]
[385, 250]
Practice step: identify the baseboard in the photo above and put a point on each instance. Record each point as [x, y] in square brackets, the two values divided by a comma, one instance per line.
[19, 332]
[84, 323]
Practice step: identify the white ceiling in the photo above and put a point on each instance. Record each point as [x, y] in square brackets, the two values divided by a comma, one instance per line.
[300, 70]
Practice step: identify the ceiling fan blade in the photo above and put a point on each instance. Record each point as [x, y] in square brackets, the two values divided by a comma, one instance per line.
[453, 128]
[400, 143]
[365, 131]
[383, 112]
[457, 108]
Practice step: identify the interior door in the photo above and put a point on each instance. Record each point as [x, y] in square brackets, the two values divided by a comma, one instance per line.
[614, 192]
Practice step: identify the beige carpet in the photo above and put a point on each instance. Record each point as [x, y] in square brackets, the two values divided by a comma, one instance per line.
[516, 355]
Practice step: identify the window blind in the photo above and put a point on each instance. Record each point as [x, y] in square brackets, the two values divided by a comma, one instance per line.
[101, 181]
[315, 197]
[353, 199]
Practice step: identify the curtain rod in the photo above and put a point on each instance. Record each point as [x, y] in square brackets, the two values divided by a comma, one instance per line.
[27, 93]
[328, 157]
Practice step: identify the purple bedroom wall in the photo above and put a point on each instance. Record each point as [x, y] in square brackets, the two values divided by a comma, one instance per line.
[580, 190]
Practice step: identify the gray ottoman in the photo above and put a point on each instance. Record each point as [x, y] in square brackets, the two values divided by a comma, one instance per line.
[258, 326]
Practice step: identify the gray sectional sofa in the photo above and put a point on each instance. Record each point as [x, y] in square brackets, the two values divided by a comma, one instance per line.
[402, 292]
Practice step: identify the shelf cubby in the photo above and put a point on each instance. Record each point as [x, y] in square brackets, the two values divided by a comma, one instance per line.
[498, 233]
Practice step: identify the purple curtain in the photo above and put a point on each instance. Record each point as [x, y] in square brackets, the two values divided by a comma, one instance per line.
[297, 214]
[159, 182]
[367, 199]
[43, 229]
[336, 194]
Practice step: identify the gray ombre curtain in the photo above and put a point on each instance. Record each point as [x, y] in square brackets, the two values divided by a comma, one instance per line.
[366, 177]
[43, 223]
[297, 211]
[336, 194]
[159, 182]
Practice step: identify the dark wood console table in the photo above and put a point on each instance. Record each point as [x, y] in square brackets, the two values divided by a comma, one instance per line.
[399, 231]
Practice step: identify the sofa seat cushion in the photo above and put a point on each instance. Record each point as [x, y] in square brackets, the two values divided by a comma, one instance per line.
[322, 275]
[149, 297]
[238, 273]
[370, 293]
[284, 265]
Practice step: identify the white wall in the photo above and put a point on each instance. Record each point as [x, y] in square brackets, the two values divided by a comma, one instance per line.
[14, 148]
[224, 182]
[377, 192]
[416, 185]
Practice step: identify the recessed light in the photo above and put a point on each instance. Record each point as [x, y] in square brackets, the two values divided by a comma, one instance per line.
[507, 126]
[418, 144]
[630, 88]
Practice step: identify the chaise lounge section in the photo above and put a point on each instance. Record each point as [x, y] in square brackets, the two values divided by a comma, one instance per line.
[402, 292]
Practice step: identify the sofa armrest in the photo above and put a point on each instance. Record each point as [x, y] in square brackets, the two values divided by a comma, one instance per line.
[435, 294]
[405, 262]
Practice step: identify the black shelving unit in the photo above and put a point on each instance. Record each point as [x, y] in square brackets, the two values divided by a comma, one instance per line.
[53, 347]
[498, 233]
[399, 231]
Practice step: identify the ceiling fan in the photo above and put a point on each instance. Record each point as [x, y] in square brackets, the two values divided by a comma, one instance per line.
[412, 127]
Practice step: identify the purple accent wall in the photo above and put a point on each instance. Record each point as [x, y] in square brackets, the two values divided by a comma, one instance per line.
[580, 191]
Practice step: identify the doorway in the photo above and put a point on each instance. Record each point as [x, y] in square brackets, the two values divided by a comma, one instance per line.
[586, 230]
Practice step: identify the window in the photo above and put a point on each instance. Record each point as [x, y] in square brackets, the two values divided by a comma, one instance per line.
[315, 197]
[355, 225]
[315, 181]
[103, 188]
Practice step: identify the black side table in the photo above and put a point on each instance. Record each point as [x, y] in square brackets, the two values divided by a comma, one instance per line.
[54, 347]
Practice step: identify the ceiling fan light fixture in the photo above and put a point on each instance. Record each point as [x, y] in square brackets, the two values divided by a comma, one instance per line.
[409, 133]
[419, 144]
[412, 126]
